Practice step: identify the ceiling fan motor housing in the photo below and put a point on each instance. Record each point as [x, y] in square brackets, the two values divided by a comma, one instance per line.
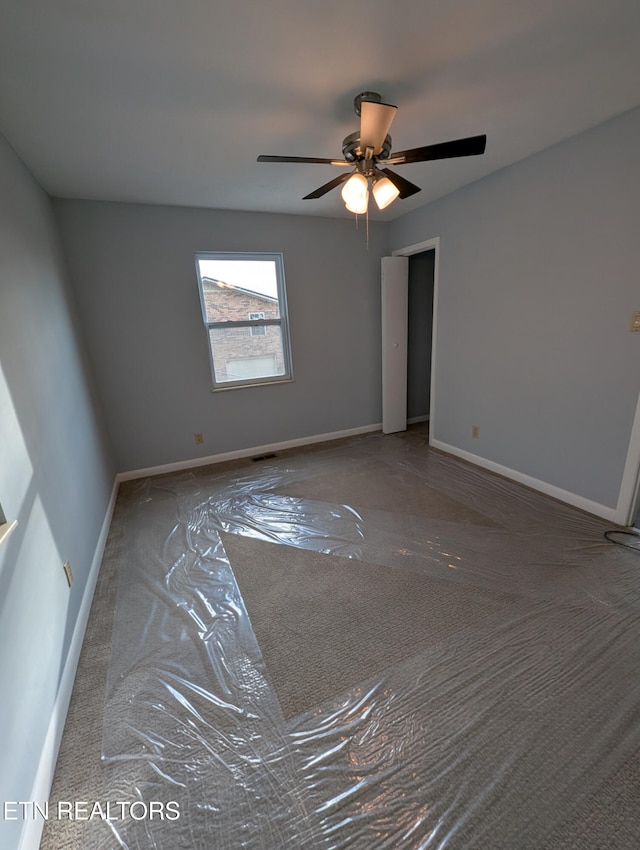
[353, 151]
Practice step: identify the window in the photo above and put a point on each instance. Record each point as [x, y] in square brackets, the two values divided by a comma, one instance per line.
[244, 309]
[258, 330]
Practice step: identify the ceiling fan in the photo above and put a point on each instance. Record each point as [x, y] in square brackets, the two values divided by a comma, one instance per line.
[369, 149]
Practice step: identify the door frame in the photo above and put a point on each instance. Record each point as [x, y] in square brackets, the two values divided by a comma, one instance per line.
[419, 248]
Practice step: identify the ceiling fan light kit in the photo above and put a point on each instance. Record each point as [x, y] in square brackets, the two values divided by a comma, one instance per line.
[355, 193]
[384, 192]
[370, 147]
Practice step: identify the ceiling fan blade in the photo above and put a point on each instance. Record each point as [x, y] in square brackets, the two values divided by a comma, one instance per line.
[403, 186]
[322, 190]
[375, 121]
[472, 146]
[317, 159]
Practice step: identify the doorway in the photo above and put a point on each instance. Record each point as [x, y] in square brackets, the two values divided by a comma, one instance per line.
[408, 285]
[419, 334]
[422, 285]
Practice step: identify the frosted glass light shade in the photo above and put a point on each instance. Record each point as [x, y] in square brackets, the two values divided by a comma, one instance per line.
[355, 193]
[384, 192]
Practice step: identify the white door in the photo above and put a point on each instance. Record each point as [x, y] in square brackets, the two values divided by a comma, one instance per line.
[628, 508]
[395, 297]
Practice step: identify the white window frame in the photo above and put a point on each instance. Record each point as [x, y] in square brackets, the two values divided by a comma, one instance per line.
[282, 321]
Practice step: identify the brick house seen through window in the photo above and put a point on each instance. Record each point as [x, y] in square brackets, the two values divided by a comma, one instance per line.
[247, 328]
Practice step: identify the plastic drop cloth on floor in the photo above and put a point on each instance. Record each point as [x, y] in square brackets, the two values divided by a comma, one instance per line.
[485, 737]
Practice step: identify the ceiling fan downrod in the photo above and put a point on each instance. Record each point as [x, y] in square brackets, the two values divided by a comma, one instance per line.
[369, 96]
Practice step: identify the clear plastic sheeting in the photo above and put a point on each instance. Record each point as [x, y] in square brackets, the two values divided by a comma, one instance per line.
[484, 736]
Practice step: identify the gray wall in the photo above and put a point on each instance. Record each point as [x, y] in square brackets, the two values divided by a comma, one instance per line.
[134, 276]
[55, 477]
[538, 279]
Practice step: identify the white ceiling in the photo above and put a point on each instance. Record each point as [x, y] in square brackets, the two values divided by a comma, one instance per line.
[171, 101]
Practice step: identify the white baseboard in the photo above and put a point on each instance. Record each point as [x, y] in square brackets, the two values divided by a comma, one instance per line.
[565, 496]
[415, 419]
[32, 830]
[249, 452]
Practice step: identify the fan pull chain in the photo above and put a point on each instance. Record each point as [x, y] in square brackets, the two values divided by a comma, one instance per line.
[367, 221]
[366, 224]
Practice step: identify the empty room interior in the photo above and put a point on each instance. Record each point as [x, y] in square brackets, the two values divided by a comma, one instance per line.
[320, 425]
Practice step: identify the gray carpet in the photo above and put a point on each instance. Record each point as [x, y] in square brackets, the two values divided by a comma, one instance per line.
[325, 624]
[381, 486]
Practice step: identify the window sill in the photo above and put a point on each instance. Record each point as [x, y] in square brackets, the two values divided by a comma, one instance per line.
[223, 389]
[6, 528]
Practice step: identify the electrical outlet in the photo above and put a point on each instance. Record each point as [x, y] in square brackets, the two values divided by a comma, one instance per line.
[199, 437]
[635, 321]
[67, 571]
[475, 430]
